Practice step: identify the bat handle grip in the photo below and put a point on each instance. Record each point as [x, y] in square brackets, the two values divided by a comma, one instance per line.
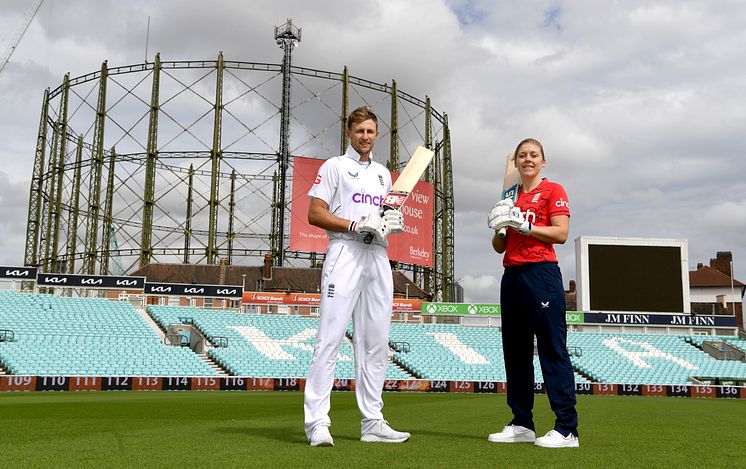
[502, 232]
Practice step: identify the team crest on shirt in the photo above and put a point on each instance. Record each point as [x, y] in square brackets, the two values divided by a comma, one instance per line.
[330, 291]
[536, 198]
[380, 179]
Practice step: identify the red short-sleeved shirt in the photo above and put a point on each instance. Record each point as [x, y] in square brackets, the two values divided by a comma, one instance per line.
[547, 200]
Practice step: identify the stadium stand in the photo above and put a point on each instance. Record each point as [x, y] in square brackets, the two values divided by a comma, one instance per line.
[454, 352]
[48, 335]
[261, 345]
[63, 336]
[648, 359]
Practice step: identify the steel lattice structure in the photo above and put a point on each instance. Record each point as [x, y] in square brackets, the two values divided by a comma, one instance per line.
[189, 161]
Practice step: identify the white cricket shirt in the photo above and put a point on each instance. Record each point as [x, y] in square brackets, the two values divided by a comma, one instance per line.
[351, 190]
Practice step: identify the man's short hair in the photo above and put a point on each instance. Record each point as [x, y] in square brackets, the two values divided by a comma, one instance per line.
[361, 114]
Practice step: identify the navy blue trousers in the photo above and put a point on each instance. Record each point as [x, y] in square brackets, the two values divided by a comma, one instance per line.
[532, 299]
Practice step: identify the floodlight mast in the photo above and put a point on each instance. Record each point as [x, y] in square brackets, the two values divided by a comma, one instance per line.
[287, 37]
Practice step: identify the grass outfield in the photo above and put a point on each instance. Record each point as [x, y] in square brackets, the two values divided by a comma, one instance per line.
[265, 429]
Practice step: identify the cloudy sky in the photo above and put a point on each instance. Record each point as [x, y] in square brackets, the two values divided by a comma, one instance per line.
[641, 105]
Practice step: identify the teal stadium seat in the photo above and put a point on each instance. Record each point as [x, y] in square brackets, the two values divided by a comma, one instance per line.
[64, 336]
[262, 345]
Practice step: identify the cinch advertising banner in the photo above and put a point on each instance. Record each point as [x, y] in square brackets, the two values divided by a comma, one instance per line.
[413, 246]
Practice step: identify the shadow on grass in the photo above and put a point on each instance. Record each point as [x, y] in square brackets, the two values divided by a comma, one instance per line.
[294, 435]
[449, 435]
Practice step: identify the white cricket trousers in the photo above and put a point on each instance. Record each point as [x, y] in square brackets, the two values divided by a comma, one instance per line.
[356, 282]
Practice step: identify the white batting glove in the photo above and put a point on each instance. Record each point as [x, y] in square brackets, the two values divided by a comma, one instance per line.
[394, 221]
[516, 220]
[500, 211]
[372, 224]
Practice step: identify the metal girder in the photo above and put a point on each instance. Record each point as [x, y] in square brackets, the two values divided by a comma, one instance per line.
[188, 218]
[152, 158]
[345, 111]
[394, 130]
[72, 232]
[231, 217]
[33, 220]
[215, 157]
[108, 218]
[94, 191]
[448, 259]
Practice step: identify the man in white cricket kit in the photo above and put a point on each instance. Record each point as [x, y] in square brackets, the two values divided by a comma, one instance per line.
[356, 282]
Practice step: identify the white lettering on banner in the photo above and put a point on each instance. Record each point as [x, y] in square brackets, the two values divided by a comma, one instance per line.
[693, 321]
[628, 318]
[465, 353]
[411, 229]
[126, 282]
[651, 351]
[419, 253]
[419, 198]
[272, 348]
[194, 290]
[91, 281]
[17, 273]
[412, 212]
[56, 280]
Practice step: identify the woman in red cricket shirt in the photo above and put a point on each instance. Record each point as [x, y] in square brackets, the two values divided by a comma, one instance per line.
[532, 298]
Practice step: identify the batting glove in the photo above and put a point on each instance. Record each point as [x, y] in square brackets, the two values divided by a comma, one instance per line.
[394, 221]
[499, 212]
[516, 220]
[372, 224]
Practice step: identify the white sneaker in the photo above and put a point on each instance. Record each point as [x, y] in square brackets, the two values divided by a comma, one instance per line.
[321, 437]
[554, 439]
[513, 434]
[380, 432]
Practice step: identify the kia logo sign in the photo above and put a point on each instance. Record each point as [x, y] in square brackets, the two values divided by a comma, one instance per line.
[226, 291]
[56, 280]
[91, 281]
[17, 273]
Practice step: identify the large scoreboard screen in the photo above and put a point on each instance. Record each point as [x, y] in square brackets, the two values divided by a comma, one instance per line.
[632, 275]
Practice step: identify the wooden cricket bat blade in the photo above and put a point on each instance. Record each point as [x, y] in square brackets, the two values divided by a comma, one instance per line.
[511, 182]
[406, 182]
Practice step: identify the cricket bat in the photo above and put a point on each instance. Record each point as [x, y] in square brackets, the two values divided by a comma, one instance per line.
[511, 182]
[404, 184]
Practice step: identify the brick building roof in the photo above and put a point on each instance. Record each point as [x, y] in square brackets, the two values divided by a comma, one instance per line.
[706, 276]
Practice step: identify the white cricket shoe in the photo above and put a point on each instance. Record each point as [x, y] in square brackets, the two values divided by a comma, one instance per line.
[321, 437]
[380, 432]
[513, 434]
[554, 439]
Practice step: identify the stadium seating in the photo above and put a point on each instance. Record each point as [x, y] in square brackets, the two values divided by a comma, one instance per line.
[647, 359]
[56, 336]
[262, 345]
[454, 352]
